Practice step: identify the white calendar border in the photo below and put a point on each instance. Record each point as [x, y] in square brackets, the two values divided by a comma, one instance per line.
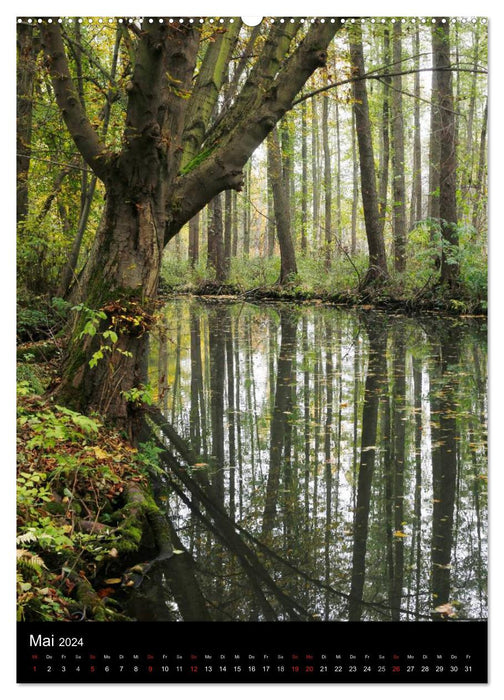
[272, 8]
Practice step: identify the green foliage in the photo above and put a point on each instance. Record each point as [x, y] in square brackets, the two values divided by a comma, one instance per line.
[139, 395]
[70, 481]
[176, 273]
[254, 272]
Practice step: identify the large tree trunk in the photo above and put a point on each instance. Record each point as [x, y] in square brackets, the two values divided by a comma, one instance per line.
[105, 364]
[121, 281]
[149, 197]
[377, 261]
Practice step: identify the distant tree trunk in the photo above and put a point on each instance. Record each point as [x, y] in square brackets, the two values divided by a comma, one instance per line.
[228, 206]
[447, 163]
[194, 240]
[434, 150]
[215, 249]
[287, 157]
[315, 174]
[234, 225]
[288, 265]
[479, 195]
[304, 179]
[399, 187]
[383, 176]
[246, 212]
[270, 228]
[377, 261]
[472, 109]
[327, 181]
[355, 188]
[68, 275]
[416, 187]
[27, 48]
[338, 171]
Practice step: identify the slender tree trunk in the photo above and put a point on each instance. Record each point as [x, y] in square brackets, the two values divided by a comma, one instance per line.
[385, 138]
[234, 225]
[194, 240]
[377, 261]
[327, 181]
[315, 174]
[304, 179]
[228, 205]
[434, 150]
[472, 109]
[416, 188]
[246, 212]
[399, 187]
[215, 249]
[447, 163]
[338, 173]
[480, 193]
[355, 189]
[288, 266]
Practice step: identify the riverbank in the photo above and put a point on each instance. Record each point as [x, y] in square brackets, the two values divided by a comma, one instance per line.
[432, 300]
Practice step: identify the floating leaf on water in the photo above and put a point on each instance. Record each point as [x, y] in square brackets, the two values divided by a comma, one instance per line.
[111, 581]
[398, 533]
[446, 609]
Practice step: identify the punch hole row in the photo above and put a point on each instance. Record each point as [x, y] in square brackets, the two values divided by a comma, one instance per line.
[272, 20]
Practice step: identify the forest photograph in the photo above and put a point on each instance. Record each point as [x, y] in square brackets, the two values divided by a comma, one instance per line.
[252, 319]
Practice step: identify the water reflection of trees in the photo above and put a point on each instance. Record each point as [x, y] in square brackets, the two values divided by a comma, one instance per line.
[329, 466]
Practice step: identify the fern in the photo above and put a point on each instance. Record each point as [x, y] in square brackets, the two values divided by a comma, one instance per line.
[29, 561]
[25, 537]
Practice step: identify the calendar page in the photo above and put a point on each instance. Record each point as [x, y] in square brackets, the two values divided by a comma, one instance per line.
[252, 349]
